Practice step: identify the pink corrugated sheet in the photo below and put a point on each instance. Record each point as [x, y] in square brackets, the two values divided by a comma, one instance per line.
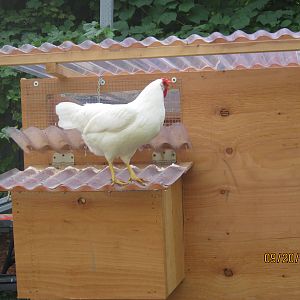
[90, 179]
[54, 138]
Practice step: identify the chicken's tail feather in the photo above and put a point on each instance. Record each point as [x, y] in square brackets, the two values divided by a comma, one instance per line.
[67, 112]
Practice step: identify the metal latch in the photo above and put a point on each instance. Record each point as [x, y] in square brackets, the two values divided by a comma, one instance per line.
[62, 160]
[164, 157]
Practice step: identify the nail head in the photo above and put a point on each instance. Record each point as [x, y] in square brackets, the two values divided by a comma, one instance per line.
[229, 150]
[224, 112]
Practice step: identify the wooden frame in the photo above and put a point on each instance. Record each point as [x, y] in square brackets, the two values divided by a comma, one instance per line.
[60, 71]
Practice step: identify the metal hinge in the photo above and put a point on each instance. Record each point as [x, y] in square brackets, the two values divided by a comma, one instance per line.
[164, 157]
[62, 160]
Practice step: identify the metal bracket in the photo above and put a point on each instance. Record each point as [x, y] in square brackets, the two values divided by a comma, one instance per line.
[61, 160]
[164, 157]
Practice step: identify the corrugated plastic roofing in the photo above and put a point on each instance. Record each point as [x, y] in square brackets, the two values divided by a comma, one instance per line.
[90, 178]
[55, 138]
[165, 64]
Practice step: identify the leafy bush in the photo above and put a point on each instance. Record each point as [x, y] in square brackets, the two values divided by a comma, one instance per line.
[162, 18]
[20, 24]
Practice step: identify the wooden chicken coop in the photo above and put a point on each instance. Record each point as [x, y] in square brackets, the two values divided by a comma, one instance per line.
[225, 228]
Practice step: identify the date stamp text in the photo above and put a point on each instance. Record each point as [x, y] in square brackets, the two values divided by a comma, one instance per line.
[285, 258]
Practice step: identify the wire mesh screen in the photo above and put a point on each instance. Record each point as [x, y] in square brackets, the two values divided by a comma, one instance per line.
[39, 97]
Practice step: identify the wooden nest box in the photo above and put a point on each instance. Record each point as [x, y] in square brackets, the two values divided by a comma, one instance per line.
[236, 98]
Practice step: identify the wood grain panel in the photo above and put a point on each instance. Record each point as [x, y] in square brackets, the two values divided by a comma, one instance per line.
[244, 203]
[241, 198]
[125, 258]
[174, 242]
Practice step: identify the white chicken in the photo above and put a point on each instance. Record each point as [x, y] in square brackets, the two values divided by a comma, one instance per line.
[117, 131]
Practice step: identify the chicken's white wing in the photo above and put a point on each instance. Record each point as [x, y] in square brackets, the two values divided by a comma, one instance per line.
[113, 118]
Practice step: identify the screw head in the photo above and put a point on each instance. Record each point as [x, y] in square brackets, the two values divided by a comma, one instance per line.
[36, 83]
[81, 200]
[224, 112]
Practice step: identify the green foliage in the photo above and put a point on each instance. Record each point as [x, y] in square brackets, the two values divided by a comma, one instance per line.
[39, 21]
[58, 25]
[162, 18]
[9, 116]
[35, 22]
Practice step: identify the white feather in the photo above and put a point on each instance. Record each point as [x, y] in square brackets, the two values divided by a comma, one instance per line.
[117, 130]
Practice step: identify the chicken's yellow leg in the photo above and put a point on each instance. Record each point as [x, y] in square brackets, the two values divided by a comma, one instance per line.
[133, 176]
[113, 175]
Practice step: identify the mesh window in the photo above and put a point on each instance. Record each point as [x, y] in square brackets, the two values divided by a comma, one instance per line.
[41, 97]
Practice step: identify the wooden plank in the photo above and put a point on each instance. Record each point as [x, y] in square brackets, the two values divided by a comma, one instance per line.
[251, 193]
[110, 247]
[60, 71]
[235, 230]
[150, 52]
[26, 287]
[242, 204]
[173, 228]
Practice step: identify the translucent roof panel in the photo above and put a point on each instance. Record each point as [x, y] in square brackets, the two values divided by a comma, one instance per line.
[170, 64]
[238, 45]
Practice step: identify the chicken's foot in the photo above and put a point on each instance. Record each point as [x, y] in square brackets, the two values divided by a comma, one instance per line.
[133, 176]
[115, 180]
